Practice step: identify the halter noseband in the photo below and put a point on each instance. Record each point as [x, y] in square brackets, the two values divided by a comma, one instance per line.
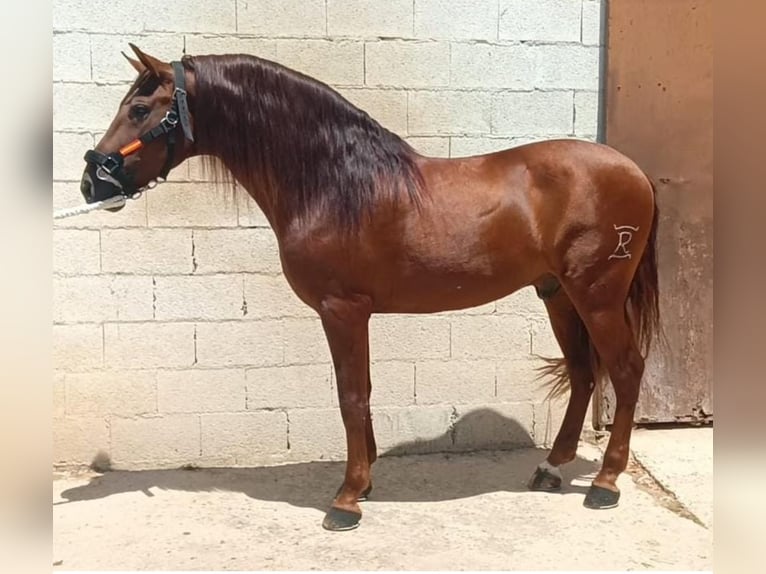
[110, 167]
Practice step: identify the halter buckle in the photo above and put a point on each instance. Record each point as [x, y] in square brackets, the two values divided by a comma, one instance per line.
[171, 118]
[110, 164]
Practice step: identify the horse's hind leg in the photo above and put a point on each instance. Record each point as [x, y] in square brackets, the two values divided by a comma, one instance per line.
[616, 344]
[573, 339]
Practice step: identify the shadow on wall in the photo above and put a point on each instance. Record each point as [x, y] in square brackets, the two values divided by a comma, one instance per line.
[423, 478]
[479, 429]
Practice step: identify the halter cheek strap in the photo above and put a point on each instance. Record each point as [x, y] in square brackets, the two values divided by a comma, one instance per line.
[112, 165]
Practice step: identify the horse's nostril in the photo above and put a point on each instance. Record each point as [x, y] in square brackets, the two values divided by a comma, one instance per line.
[86, 187]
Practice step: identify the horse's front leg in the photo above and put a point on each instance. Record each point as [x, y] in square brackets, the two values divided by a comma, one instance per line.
[345, 321]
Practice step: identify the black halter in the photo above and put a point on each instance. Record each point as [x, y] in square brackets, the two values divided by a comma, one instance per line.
[110, 167]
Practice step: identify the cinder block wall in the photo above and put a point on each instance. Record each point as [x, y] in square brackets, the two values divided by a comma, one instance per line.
[176, 338]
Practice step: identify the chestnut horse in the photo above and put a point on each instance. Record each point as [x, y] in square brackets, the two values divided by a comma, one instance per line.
[367, 225]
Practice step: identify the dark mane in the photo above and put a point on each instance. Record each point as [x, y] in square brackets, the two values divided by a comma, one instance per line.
[296, 138]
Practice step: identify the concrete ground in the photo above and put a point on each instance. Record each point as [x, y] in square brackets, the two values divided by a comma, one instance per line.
[427, 512]
[681, 461]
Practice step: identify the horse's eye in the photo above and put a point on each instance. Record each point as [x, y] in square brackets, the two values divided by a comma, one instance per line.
[139, 112]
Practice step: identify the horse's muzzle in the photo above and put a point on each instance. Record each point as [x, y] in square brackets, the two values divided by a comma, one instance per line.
[95, 189]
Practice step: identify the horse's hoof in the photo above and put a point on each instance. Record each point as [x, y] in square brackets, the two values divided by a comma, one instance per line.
[544, 481]
[339, 520]
[362, 497]
[600, 498]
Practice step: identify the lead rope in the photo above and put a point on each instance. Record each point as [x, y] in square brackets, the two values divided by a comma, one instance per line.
[116, 201]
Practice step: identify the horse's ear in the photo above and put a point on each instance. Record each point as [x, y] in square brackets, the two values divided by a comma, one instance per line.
[150, 62]
[135, 63]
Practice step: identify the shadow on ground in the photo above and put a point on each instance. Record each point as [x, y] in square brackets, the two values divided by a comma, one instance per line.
[399, 475]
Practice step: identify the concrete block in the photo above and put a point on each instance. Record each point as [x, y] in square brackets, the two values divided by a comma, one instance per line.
[397, 337]
[201, 391]
[198, 45]
[148, 345]
[413, 430]
[305, 342]
[78, 347]
[250, 215]
[533, 113]
[180, 173]
[76, 252]
[541, 20]
[567, 67]
[102, 298]
[68, 195]
[316, 434]
[83, 15]
[110, 66]
[430, 146]
[296, 386]
[282, 18]
[489, 337]
[77, 440]
[270, 296]
[485, 309]
[489, 66]
[544, 341]
[454, 382]
[59, 395]
[472, 146]
[523, 302]
[586, 120]
[518, 380]
[369, 18]
[446, 112]
[68, 151]
[167, 440]
[457, 19]
[407, 64]
[124, 393]
[240, 343]
[206, 297]
[193, 16]
[503, 425]
[393, 384]
[199, 169]
[146, 251]
[387, 107]
[251, 438]
[170, 16]
[83, 107]
[236, 251]
[71, 58]
[591, 22]
[190, 205]
[330, 61]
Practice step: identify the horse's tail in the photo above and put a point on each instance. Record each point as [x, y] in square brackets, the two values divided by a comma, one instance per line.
[643, 306]
[642, 309]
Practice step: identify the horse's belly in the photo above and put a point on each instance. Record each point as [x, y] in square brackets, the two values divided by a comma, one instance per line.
[430, 292]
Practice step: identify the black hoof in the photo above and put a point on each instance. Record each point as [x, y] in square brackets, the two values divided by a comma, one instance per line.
[362, 497]
[544, 481]
[339, 520]
[601, 498]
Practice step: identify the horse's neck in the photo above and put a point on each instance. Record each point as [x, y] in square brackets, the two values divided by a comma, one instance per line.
[244, 177]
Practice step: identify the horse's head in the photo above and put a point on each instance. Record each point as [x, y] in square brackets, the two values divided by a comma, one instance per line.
[150, 134]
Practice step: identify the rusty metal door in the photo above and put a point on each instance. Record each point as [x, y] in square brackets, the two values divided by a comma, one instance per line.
[659, 112]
